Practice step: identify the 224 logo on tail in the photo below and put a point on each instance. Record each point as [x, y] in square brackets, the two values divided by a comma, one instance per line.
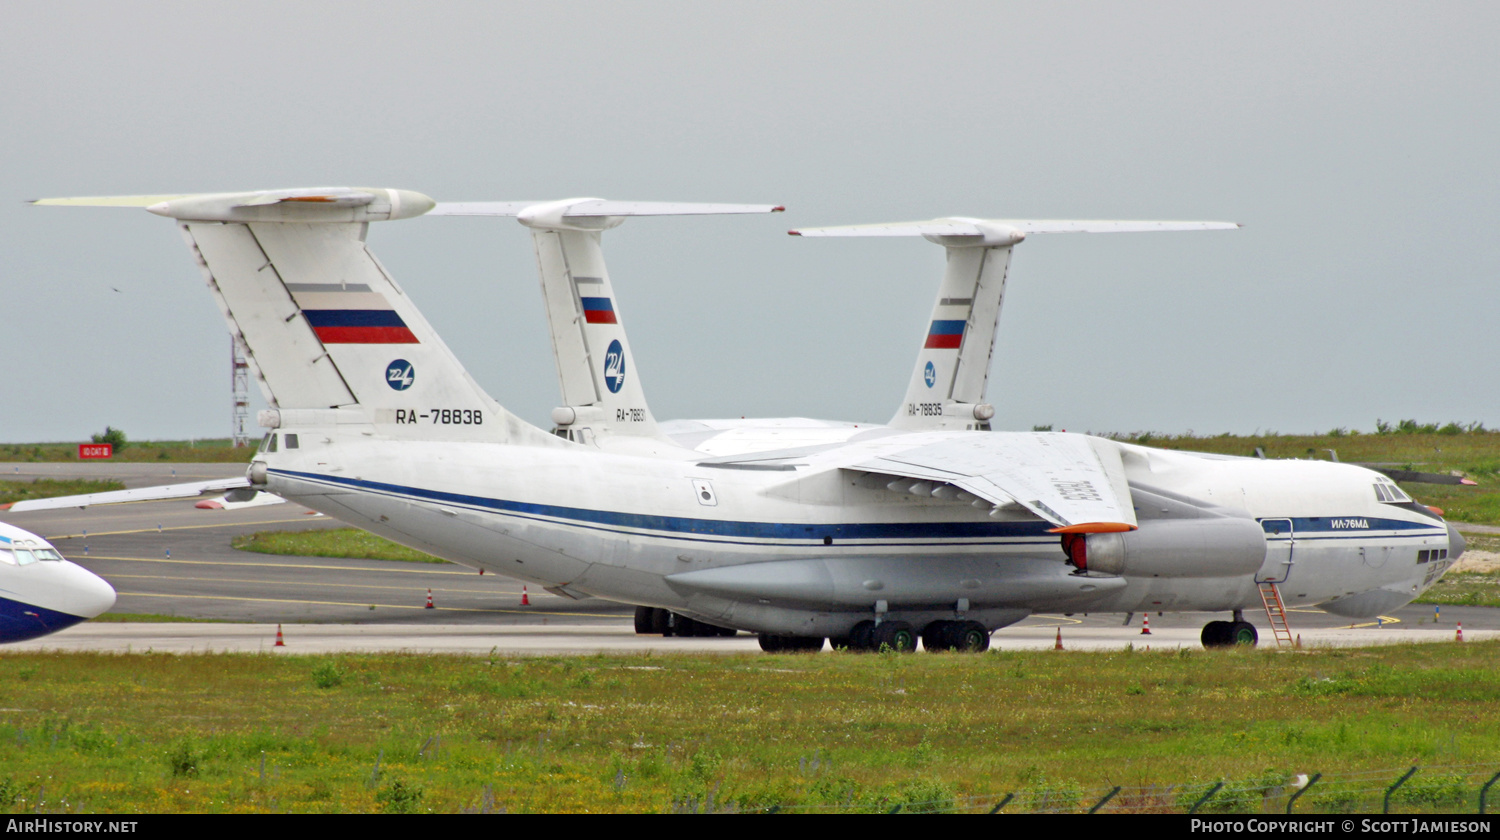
[400, 374]
[614, 367]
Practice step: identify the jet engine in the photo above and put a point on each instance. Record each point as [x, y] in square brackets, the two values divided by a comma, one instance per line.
[1173, 548]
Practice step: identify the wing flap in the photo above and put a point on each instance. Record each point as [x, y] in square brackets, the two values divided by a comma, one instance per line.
[1072, 481]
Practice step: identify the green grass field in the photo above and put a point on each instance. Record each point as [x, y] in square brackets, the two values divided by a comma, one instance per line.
[46, 488]
[330, 542]
[141, 733]
[205, 451]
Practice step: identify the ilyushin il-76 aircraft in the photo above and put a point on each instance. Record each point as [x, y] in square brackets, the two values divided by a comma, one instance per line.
[947, 385]
[889, 536]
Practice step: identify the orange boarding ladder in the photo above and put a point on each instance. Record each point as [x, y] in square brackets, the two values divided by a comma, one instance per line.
[1275, 612]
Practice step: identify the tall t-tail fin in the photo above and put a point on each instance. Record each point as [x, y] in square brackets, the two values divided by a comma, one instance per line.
[948, 386]
[601, 385]
[333, 339]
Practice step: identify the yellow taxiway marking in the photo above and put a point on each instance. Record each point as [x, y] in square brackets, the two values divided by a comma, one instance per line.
[414, 571]
[309, 584]
[1379, 620]
[174, 528]
[364, 605]
[1059, 619]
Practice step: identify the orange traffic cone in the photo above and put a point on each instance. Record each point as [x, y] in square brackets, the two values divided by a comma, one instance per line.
[1146, 625]
[279, 641]
[525, 599]
[429, 601]
[1460, 636]
[1058, 646]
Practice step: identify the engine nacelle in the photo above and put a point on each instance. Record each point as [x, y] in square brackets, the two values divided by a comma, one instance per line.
[1176, 548]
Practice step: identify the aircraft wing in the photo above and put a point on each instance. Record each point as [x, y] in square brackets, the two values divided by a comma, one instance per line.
[1073, 481]
[138, 494]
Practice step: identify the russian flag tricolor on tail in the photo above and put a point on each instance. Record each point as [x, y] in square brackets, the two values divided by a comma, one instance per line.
[598, 310]
[350, 314]
[359, 326]
[945, 335]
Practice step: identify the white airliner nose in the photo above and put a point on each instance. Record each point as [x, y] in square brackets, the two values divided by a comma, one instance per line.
[84, 593]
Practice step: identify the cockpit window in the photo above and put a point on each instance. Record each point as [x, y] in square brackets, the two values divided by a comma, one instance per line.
[24, 557]
[46, 554]
[1387, 492]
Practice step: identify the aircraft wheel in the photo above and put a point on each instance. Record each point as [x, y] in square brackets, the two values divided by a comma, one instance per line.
[1243, 633]
[970, 637]
[1216, 634]
[643, 620]
[661, 621]
[862, 636]
[938, 635]
[896, 635]
[791, 644]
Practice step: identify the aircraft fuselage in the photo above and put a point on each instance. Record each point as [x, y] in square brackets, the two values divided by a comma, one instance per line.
[810, 547]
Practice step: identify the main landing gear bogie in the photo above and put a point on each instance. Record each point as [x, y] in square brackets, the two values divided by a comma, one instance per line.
[962, 636]
[902, 637]
[1220, 634]
[659, 622]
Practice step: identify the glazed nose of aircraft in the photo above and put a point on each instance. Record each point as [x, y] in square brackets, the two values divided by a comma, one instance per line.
[1456, 542]
[87, 594]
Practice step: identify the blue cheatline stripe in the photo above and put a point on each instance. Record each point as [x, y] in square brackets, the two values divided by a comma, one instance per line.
[1304, 525]
[353, 318]
[683, 526]
[947, 328]
[20, 621]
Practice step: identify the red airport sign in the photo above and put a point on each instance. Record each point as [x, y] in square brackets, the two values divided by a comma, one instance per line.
[96, 450]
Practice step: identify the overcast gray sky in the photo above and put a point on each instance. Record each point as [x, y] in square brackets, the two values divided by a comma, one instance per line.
[1356, 142]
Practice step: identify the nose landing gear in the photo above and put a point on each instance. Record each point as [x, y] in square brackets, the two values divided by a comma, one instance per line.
[1219, 634]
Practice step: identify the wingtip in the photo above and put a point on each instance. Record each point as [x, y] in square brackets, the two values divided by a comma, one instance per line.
[794, 233]
[780, 208]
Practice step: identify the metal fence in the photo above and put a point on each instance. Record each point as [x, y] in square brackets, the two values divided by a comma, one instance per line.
[1446, 789]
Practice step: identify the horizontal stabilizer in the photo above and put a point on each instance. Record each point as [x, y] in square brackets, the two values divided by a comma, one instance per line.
[593, 207]
[304, 204]
[138, 494]
[107, 200]
[958, 226]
